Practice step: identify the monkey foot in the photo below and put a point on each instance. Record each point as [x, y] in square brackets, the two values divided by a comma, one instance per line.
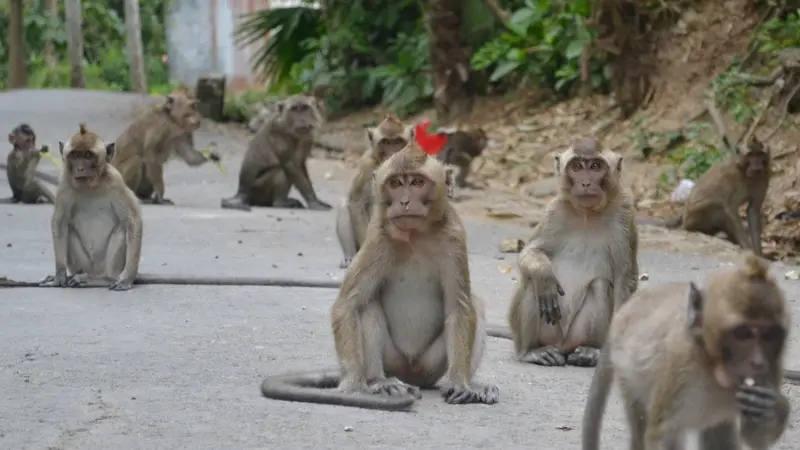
[121, 285]
[161, 201]
[319, 205]
[545, 356]
[10, 200]
[583, 357]
[290, 203]
[393, 388]
[477, 393]
[235, 203]
[345, 263]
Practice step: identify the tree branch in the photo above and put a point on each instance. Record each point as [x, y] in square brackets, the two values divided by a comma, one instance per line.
[498, 11]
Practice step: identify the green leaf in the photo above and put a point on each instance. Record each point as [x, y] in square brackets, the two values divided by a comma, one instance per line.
[574, 49]
[521, 20]
[503, 69]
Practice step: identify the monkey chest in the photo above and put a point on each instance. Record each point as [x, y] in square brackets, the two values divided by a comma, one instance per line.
[93, 220]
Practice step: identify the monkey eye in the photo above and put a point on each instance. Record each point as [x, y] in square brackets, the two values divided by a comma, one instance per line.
[742, 333]
[773, 334]
[595, 165]
[576, 166]
[395, 182]
[418, 182]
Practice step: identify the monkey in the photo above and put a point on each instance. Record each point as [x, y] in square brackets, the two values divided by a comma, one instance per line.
[151, 139]
[580, 264]
[461, 148]
[691, 359]
[97, 221]
[276, 159]
[181, 280]
[713, 204]
[21, 168]
[405, 316]
[353, 213]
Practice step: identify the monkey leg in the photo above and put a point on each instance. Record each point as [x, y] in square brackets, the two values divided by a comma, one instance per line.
[116, 253]
[586, 332]
[721, 436]
[711, 218]
[636, 415]
[79, 262]
[271, 189]
[9, 200]
[536, 343]
[346, 234]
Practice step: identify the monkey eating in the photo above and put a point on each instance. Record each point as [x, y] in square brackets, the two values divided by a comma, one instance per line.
[461, 149]
[21, 166]
[580, 264]
[405, 316]
[97, 222]
[725, 362]
[149, 142]
[353, 213]
[713, 204]
[276, 159]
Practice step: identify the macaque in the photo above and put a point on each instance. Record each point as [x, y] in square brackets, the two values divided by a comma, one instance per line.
[580, 264]
[691, 359]
[97, 223]
[353, 213]
[152, 139]
[462, 147]
[713, 204]
[406, 317]
[276, 159]
[21, 168]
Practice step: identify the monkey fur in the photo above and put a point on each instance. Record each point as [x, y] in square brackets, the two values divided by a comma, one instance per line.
[461, 149]
[151, 139]
[23, 178]
[405, 316]
[94, 210]
[276, 159]
[713, 204]
[353, 213]
[580, 264]
[725, 363]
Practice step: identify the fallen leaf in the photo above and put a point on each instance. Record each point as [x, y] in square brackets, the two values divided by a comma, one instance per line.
[505, 269]
[511, 245]
[564, 428]
[503, 215]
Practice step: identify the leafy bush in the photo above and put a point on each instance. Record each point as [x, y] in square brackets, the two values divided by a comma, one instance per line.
[543, 44]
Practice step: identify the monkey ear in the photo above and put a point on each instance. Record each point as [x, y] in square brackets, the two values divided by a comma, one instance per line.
[371, 136]
[694, 312]
[11, 139]
[557, 164]
[280, 107]
[110, 149]
[170, 101]
[61, 148]
[411, 132]
[619, 164]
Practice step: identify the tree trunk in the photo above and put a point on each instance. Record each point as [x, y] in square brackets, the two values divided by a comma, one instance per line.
[75, 43]
[210, 94]
[51, 8]
[17, 76]
[450, 60]
[133, 38]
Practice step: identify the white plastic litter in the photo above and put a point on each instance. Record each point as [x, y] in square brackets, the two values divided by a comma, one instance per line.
[681, 193]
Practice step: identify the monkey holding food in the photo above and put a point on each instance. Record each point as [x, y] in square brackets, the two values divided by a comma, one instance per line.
[353, 213]
[276, 159]
[21, 166]
[713, 204]
[97, 224]
[688, 359]
[149, 142]
[406, 316]
[462, 147]
[580, 264]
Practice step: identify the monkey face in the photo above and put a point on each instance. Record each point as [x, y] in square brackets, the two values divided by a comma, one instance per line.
[83, 167]
[409, 196]
[755, 163]
[183, 112]
[22, 141]
[388, 146]
[299, 117]
[751, 349]
[586, 179]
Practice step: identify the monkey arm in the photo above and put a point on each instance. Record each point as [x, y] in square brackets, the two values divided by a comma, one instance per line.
[754, 223]
[627, 280]
[359, 287]
[461, 316]
[298, 176]
[126, 207]
[761, 436]
[59, 226]
[535, 256]
[184, 148]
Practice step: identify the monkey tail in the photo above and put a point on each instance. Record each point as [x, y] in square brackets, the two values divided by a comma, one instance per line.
[498, 331]
[597, 400]
[671, 224]
[318, 387]
[39, 174]
[791, 377]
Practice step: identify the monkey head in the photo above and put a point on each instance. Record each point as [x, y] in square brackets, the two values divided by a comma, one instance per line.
[85, 157]
[411, 190]
[755, 161]
[481, 139]
[22, 138]
[182, 111]
[589, 176]
[388, 138]
[299, 115]
[740, 321]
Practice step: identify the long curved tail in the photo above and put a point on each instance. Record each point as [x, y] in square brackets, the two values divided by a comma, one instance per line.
[597, 400]
[671, 224]
[318, 387]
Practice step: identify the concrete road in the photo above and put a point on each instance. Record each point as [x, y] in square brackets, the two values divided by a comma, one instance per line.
[163, 367]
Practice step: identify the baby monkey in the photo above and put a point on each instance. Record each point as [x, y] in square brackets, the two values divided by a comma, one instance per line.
[725, 363]
[461, 149]
[21, 168]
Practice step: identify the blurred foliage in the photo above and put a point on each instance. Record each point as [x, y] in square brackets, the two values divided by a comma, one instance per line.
[105, 60]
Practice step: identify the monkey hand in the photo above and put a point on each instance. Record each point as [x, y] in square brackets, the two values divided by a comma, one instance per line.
[345, 263]
[548, 292]
[57, 280]
[123, 284]
[757, 403]
[45, 149]
[319, 205]
[393, 388]
[214, 156]
[159, 200]
[456, 394]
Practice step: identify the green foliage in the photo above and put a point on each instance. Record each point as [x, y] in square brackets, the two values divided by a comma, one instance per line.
[732, 94]
[691, 160]
[779, 33]
[544, 45]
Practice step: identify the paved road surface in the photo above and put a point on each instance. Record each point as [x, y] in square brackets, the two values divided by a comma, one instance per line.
[163, 367]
